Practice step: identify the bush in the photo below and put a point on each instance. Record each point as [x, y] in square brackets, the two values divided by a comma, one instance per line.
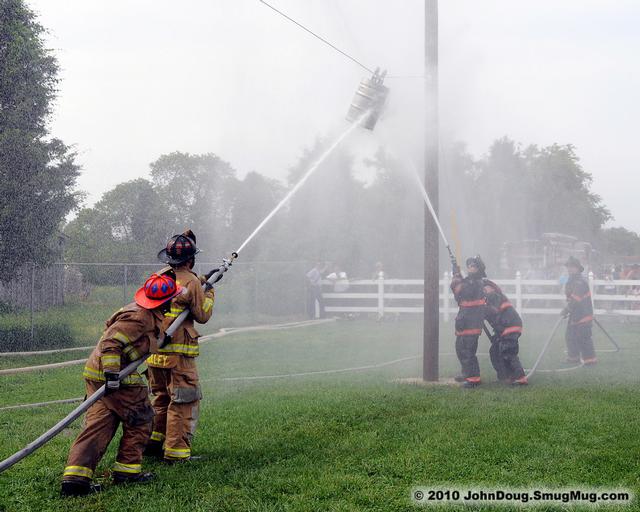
[16, 338]
[6, 307]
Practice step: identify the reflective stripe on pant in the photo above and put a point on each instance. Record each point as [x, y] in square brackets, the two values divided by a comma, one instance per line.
[176, 400]
[504, 358]
[466, 347]
[579, 342]
[129, 406]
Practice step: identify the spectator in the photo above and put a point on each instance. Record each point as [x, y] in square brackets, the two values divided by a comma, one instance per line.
[314, 290]
[617, 272]
[378, 273]
[339, 279]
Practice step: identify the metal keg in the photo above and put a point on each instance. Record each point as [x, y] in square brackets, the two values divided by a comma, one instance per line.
[370, 96]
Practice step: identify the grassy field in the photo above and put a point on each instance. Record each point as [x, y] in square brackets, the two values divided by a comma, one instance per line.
[355, 440]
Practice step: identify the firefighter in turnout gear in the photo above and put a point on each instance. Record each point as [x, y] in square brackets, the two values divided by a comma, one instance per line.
[507, 328]
[173, 376]
[130, 333]
[469, 295]
[579, 310]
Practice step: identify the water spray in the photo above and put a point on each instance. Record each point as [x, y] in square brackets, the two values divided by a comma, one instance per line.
[434, 215]
[304, 178]
[212, 278]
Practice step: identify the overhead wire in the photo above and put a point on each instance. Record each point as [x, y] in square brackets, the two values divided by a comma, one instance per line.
[328, 43]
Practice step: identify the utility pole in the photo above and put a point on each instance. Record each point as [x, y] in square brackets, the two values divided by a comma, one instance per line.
[431, 327]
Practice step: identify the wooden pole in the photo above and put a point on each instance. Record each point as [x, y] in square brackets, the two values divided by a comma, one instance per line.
[430, 366]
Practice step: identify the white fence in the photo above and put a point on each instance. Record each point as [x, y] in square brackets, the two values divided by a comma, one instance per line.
[529, 296]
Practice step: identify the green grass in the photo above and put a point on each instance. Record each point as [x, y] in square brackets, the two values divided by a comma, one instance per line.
[353, 441]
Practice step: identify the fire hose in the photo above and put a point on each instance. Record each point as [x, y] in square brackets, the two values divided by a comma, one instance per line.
[550, 338]
[212, 278]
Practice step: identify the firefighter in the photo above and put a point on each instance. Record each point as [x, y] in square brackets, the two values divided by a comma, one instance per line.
[130, 333]
[507, 328]
[579, 310]
[173, 376]
[469, 295]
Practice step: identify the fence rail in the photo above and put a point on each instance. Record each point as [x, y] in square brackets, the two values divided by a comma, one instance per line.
[530, 296]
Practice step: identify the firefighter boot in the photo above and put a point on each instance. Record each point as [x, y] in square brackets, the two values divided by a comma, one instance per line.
[139, 478]
[522, 381]
[72, 488]
[154, 449]
[471, 382]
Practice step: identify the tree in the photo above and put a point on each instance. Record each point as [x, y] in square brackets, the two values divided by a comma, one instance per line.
[560, 193]
[198, 191]
[511, 195]
[324, 218]
[255, 197]
[392, 231]
[619, 243]
[127, 225]
[38, 173]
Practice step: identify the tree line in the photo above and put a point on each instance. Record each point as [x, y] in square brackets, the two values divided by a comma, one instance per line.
[512, 193]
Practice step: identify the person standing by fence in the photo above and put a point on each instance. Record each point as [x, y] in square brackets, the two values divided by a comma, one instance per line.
[314, 290]
[579, 311]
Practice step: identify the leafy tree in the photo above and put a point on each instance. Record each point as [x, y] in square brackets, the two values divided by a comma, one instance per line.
[38, 173]
[198, 191]
[127, 225]
[324, 217]
[255, 197]
[560, 193]
[392, 230]
[619, 242]
[511, 195]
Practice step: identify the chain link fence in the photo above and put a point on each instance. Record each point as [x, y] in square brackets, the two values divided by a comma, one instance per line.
[66, 304]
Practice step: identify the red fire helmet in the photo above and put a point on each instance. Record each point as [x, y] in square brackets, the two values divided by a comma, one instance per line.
[157, 290]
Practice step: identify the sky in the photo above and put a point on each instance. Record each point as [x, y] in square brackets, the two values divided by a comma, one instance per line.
[141, 78]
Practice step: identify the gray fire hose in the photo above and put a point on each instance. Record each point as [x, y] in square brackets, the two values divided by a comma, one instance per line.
[607, 334]
[213, 278]
[545, 347]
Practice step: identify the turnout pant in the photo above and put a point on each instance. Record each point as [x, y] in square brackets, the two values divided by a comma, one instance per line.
[466, 348]
[504, 358]
[176, 401]
[128, 406]
[580, 343]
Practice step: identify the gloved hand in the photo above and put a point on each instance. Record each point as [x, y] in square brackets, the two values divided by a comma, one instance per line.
[455, 268]
[113, 382]
[209, 274]
[220, 270]
[565, 312]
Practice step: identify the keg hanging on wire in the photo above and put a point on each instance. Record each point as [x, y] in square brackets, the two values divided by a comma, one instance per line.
[371, 95]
